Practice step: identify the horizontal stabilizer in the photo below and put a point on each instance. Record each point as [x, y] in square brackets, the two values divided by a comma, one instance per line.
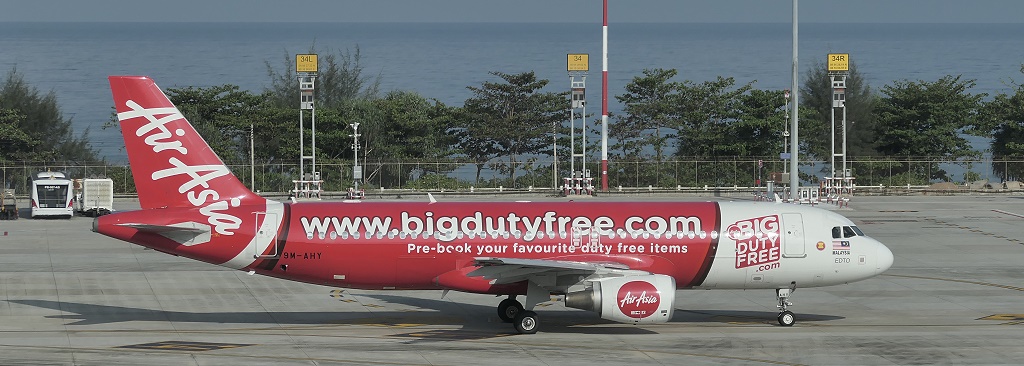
[185, 233]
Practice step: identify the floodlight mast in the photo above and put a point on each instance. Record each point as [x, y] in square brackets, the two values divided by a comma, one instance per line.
[309, 185]
[578, 64]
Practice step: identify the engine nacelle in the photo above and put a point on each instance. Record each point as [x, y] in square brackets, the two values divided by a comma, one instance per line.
[629, 299]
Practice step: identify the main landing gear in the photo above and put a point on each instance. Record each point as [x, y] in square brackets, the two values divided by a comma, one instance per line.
[512, 311]
[509, 308]
[786, 317]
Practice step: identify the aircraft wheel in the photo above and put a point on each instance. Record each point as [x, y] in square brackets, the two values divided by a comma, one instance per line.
[508, 309]
[526, 322]
[787, 319]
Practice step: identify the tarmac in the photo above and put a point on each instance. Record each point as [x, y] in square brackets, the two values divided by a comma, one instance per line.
[955, 295]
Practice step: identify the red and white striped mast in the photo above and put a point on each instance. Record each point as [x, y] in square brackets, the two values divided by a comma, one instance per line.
[604, 100]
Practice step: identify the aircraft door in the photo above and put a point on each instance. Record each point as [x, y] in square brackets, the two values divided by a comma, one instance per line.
[266, 235]
[793, 243]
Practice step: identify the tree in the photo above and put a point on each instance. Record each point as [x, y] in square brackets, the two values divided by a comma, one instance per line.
[414, 127]
[1004, 122]
[222, 115]
[925, 119]
[709, 111]
[758, 130]
[15, 144]
[43, 134]
[816, 98]
[340, 79]
[509, 119]
[712, 118]
[650, 114]
[400, 127]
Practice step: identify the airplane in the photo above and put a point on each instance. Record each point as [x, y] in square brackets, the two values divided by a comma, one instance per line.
[622, 260]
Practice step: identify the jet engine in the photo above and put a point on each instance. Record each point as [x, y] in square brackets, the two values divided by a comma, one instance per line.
[629, 299]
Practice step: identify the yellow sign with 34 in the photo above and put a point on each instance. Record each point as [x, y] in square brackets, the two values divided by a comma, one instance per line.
[839, 62]
[578, 62]
[305, 63]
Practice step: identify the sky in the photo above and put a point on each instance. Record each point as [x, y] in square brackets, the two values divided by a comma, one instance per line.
[515, 11]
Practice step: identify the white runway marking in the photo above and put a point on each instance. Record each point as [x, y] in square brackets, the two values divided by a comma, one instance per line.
[1009, 213]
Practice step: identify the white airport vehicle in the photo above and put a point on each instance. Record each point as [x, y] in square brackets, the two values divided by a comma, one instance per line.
[52, 195]
[94, 196]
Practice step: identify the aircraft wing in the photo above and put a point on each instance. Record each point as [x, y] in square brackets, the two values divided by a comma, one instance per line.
[511, 270]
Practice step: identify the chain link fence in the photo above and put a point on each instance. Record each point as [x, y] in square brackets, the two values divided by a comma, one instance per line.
[458, 175]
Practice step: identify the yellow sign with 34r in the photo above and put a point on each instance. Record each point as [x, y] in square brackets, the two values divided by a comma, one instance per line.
[839, 62]
[305, 63]
[578, 62]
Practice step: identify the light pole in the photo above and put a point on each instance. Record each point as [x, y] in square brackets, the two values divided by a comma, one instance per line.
[252, 158]
[785, 134]
[357, 171]
[794, 167]
[554, 152]
[604, 99]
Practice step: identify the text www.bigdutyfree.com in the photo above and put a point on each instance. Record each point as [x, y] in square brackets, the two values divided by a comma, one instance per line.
[447, 228]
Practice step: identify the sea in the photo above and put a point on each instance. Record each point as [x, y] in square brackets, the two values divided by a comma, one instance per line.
[440, 60]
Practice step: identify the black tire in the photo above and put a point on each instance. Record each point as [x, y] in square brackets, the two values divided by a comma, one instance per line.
[508, 309]
[787, 318]
[526, 322]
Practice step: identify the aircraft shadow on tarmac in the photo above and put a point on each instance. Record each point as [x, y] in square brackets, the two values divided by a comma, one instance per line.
[476, 321]
[584, 318]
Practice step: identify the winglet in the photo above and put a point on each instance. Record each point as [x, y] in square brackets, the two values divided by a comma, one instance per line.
[431, 197]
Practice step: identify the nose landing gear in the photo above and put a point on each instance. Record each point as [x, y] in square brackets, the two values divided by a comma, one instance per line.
[786, 317]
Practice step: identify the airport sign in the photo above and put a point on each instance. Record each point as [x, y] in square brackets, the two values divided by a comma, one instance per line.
[578, 62]
[305, 63]
[839, 62]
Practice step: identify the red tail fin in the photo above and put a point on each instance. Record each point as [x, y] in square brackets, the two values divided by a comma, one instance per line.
[173, 166]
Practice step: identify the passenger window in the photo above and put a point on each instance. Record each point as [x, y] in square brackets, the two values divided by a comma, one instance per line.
[835, 233]
[848, 232]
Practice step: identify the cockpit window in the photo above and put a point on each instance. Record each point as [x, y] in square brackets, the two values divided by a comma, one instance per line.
[857, 230]
[848, 232]
[836, 233]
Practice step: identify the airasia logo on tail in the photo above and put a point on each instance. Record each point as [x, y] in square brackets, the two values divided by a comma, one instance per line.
[196, 184]
[638, 299]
